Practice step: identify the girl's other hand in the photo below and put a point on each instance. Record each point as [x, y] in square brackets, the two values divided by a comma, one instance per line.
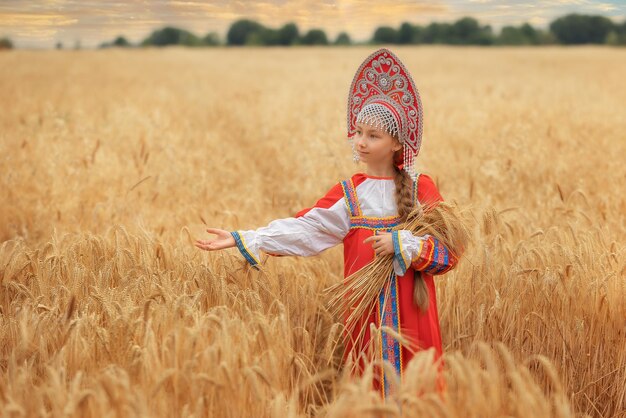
[382, 243]
[224, 240]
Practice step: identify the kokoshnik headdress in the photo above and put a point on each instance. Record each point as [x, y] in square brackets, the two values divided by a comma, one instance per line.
[384, 95]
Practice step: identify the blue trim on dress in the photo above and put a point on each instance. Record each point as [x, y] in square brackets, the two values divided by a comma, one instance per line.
[389, 316]
[398, 251]
[443, 266]
[244, 250]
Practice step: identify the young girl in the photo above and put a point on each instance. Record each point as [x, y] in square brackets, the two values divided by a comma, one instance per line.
[385, 126]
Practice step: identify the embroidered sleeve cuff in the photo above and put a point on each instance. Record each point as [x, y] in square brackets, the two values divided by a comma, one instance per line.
[433, 258]
[246, 249]
[402, 248]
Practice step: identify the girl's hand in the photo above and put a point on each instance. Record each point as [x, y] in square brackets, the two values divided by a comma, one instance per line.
[224, 240]
[382, 243]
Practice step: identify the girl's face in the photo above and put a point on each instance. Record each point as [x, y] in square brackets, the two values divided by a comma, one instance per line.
[375, 146]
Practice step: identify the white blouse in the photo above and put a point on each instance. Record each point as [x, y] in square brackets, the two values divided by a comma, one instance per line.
[321, 228]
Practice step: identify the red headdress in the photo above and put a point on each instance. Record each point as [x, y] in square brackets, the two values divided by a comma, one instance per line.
[384, 95]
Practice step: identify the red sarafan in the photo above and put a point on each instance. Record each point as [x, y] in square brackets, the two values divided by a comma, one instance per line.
[401, 313]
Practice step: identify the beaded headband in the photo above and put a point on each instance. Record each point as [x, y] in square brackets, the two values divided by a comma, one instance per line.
[384, 95]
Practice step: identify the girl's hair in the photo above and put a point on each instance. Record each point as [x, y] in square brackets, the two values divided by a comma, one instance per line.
[404, 201]
[404, 188]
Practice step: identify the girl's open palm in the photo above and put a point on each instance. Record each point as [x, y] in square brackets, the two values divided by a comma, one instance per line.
[224, 240]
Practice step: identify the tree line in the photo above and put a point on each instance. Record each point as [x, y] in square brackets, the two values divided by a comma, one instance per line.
[572, 29]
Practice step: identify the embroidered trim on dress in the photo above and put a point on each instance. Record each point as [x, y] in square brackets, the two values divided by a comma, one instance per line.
[349, 194]
[373, 223]
[389, 317]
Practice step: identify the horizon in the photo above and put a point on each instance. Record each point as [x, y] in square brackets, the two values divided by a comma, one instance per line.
[43, 24]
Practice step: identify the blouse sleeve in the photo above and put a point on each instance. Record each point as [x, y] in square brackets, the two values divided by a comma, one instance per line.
[309, 232]
[422, 253]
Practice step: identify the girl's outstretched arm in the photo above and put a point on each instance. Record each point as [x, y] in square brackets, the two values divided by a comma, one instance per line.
[309, 232]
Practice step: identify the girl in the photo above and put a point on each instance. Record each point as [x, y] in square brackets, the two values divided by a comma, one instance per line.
[385, 128]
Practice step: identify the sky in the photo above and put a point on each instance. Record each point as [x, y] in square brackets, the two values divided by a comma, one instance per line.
[43, 23]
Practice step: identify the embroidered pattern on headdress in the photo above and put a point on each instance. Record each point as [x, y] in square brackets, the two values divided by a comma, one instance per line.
[383, 94]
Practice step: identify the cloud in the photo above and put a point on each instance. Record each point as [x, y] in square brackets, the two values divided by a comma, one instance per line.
[606, 7]
[35, 20]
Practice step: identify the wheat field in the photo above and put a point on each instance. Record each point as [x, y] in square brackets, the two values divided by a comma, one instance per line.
[112, 162]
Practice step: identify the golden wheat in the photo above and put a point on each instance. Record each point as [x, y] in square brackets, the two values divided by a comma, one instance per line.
[112, 161]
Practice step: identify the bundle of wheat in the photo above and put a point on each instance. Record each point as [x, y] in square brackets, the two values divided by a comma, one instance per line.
[359, 291]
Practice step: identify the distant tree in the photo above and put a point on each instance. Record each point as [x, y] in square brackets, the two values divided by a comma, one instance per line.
[5, 43]
[522, 35]
[343, 39]
[464, 30]
[171, 36]
[546, 37]
[288, 34]
[612, 38]
[531, 34]
[59, 45]
[406, 34]
[436, 33]
[77, 44]
[241, 30]
[385, 35]
[266, 36]
[211, 39]
[511, 35]
[467, 31]
[121, 42]
[617, 39]
[581, 29]
[314, 37]
[617, 36]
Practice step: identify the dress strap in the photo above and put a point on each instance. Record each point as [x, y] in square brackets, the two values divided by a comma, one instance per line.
[349, 194]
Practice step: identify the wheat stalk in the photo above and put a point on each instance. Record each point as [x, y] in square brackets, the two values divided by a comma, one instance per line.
[357, 294]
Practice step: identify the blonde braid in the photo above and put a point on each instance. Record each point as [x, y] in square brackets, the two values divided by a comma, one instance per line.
[404, 190]
[405, 203]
